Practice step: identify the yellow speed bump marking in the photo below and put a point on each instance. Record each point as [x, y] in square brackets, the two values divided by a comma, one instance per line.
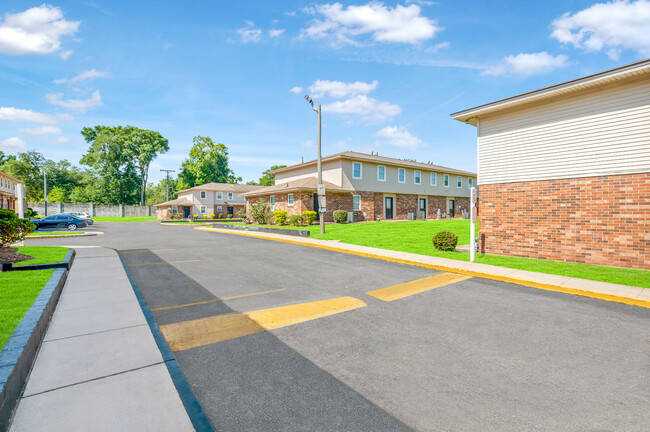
[191, 334]
[161, 262]
[216, 300]
[397, 292]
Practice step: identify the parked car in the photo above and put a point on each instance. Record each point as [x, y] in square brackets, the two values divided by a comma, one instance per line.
[83, 216]
[66, 221]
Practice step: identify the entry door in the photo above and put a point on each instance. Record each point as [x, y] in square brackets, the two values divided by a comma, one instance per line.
[316, 202]
[186, 212]
[389, 207]
[452, 208]
[230, 210]
[423, 206]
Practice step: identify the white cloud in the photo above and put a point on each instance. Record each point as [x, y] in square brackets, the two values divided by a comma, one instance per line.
[296, 90]
[65, 54]
[401, 24]
[42, 130]
[83, 76]
[75, 105]
[60, 140]
[23, 115]
[339, 89]
[35, 31]
[398, 136]
[614, 26]
[528, 64]
[275, 32]
[13, 145]
[249, 33]
[370, 110]
[65, 117]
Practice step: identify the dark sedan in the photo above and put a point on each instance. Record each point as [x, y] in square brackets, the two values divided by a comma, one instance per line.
[60, 221]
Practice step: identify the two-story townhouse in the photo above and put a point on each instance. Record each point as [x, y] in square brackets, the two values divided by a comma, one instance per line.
[8, 191]
[211, 198]
[372, 186]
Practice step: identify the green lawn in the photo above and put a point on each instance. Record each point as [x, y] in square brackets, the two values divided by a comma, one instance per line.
[42, 254]
[18, 290]
[42, 233]
[415, 237]
[124, 219]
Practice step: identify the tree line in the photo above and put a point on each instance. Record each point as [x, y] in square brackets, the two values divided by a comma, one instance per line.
[115, 169]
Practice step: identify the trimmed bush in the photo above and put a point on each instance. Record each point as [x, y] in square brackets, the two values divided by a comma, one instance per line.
[310, 216]
[196, 216]
[220, 216]
[296, 220]
[205, 216]
[280, 217]
[340, 216]
[211, 215]
[259, 212]
[13, 229]
[445, 241]
[241, 214]
[229, 216]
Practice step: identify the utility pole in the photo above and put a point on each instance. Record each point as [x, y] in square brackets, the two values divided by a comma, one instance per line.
[321, 187]
[45, 189]
[167, 171]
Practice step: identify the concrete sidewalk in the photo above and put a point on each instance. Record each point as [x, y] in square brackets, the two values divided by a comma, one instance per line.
[99, 367]
[603, 290]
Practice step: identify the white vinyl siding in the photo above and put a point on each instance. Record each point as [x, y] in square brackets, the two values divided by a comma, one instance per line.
[417, 177]
[401, 175]
[357, 170]
[381, 173]
[434, 179]
[202, 194]
[356, 202]
[290, 199]
[603, 132]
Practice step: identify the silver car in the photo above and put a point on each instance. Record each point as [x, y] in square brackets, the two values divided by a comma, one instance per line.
[82, 215]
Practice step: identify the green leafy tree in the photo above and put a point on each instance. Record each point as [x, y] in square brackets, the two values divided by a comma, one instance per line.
[144, 146]
[157, 193]
[268, 178]
[5, 158]
[56, 194]
[28, 167]
[208, 163]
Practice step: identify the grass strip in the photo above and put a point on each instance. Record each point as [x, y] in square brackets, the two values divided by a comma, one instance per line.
[18, 290]
[42, 254]
[45, 233]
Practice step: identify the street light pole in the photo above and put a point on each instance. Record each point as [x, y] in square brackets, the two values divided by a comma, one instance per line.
[167, 171]
[321, 188]
[45, 190]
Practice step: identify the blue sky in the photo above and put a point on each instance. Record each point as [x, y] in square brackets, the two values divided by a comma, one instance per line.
[388, 74]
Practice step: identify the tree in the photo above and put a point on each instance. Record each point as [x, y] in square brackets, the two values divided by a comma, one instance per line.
[208, 162]
[157, 193]
[145, 145]
[28, 167]
[56, 194]
[12, 228]
[5, 158]
[268, 178]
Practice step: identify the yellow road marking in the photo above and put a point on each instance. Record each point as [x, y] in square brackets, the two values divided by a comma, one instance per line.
[145, 250]
[191, 334]
[399, 291]
[161, 262]
[216, 300]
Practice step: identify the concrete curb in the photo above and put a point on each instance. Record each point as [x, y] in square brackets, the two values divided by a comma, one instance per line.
[64, 235]
[418, 260]
[18, 355]
[66, 264]
[288, 232]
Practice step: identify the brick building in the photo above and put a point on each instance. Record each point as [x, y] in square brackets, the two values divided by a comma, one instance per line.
[374, 187]
[564, 171]
[8, 191]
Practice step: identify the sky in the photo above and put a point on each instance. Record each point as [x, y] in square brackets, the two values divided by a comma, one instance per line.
[387, 74]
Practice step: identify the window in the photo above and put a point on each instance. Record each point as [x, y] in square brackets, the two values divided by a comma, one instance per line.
[417, 177]
[356, 202]
[459, 181]
[202, 209]
[356, 170]
[434, 179]
[174, 209]
[219, 195]
[401, 175]
[470, 183]
[203, 194]
[272, 202]
[381, 173]
[445, 180]
[290, 199]
[219, 208]
[229, 195]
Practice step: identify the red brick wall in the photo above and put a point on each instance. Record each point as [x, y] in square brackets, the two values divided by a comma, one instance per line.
[596, 220]
[434, 203]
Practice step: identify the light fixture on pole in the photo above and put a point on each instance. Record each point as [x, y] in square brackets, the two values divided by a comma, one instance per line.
[167, 171]
[321, 186]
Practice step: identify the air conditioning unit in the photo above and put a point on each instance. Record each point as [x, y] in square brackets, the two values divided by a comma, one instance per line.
[411, 216]
[353, 217]
[421, 215]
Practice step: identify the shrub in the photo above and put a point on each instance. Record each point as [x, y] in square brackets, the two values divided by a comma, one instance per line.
[30, 212]
[220, 216]
[296, 220]
[259, 212]
[280, 217]
[445, 241]
[241, 214]
[340, 216]
[196, 216]
[229, 216]
[205, 216]
[211, 215]
[13, 229]
[310, 216]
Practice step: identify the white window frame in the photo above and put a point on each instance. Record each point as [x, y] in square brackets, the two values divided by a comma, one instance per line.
[417, 177]
[219, 208]
[202, 209]
[230, 195]
[272, 202]
[358, 206]
[203, 194]
[174, 209]
[445, 180]
[378, 178]
[433, 179]
[360, 170]
[470, 182]
[403, 171]
[459, 182]
[290, 199]
[220, 196]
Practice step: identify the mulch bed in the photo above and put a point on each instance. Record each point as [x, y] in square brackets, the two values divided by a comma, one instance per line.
[11, 255]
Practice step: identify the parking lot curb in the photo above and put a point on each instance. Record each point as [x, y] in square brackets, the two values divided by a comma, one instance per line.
[483, 275]
[64, 235]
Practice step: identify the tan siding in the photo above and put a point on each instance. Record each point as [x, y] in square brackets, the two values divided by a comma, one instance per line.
[331, 172]
[604, 132]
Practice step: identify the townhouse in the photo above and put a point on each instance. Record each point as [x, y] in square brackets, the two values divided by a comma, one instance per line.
[8, 191]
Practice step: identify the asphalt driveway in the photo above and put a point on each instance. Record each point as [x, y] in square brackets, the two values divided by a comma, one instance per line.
[470, 355]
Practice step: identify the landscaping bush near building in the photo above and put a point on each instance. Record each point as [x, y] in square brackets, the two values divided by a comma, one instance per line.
[12, 228]
[445, 241]
[260, 213]
[340, 216]
[241, 214]
[220, 216]
[280, 217]
[211, 215]
[205, 216]
[310, 216]
[229, 216]
[296, 220]
[196, 216]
